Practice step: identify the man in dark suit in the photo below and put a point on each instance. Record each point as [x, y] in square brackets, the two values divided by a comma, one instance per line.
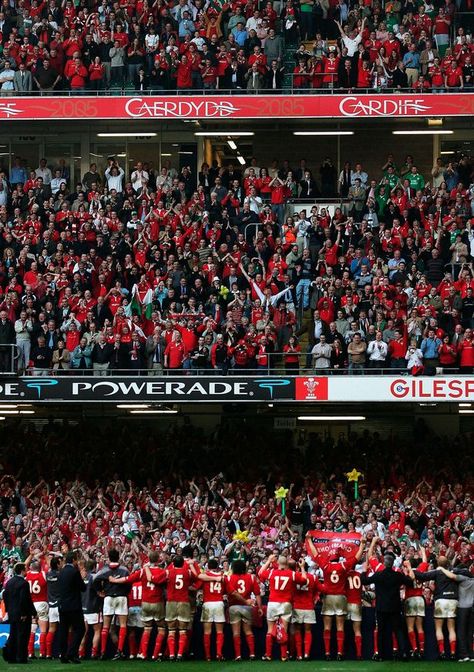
[7, 337]
[155, 347]
[22, 79]
[20, 609]
[275, 77]
[388, 606]
[234, 76]
[70, 586]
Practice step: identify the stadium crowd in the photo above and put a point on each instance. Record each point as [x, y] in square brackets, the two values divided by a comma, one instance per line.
[53, 46]
[167, 271]
[229, 527]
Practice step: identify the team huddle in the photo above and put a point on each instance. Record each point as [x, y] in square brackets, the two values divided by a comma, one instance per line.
[147, 612]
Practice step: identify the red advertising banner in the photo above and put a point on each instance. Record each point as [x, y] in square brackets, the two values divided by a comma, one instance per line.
[223, 107]
[345, 544]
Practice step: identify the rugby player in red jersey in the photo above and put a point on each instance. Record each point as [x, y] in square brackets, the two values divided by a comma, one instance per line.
[134, 618]
[213, 608]
[354, 607]
[179, 577]
[39, 594]
[243, 592]
[415, 606]
[281, 582]
[335, 571]
[152, 601]
[304, 598]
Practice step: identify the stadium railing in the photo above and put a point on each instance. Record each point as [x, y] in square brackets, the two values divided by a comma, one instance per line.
[129, 90]
[274, 367]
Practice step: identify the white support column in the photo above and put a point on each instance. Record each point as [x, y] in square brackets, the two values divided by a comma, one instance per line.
[436, 147]
[85, 152]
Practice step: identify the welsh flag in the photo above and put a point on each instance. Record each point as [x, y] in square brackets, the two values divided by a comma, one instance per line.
[140, 307]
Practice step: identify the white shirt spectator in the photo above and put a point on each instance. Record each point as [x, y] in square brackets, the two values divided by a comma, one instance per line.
[152, 41]
[252, 24]
[414, 357]
[351, 44]
[115, 181]
[45, 173]
[138, 179]
[3, 195]
[377, 351]
[255, 203]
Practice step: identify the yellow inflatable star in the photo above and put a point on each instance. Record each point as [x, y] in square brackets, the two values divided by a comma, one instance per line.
[281, 493]
[241, 535]
[353, 475]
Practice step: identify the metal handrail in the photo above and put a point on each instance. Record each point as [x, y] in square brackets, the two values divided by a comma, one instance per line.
[125, 92]
[12, 356]
[274, 368]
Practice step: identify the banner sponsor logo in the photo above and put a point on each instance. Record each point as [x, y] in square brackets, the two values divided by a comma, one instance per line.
[312, 389]
[353, 106]
[159, 389]
[139, 108]
[432, 388]
[9, 110]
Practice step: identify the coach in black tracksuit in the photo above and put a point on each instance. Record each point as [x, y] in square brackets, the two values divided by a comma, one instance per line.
[387, 602]
[20, 609]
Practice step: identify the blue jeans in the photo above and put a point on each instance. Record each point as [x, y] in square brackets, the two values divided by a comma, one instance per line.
[302, 292]
[278, 209]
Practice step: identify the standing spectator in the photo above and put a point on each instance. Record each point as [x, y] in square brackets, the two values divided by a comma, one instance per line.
[96, 75]
[22, 79]
[7, 76]
[41, 357]
[23, 330]
[100, 356]
[411, 61]
[46, 77]
[255, 80]
[76, 73]
[466, 352]
[430, 347]
[321, 353]
[175, 352]
[356, 351]
[155, 349]
[117, 64]
[61, 357]
[377, 351]
[7, 339]
[81, 356]
[114, 175]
